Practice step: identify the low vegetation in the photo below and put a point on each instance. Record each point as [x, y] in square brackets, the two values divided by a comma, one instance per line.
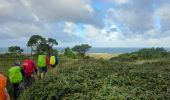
[103, 80]
[143, 54]
[92, 79]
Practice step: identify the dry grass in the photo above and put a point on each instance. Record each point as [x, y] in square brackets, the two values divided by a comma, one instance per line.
[102, 55]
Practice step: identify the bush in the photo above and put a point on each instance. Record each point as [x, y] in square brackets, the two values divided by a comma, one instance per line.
[69, 53]
[151, 53]
[107, 80]
[147, 53]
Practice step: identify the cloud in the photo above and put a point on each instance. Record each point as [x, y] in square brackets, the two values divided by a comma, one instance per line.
[101, 35]
[17, 30]
[164, 15]
[118, 1]
[97, 22]
[77, 11]
[24, 18]
[136, 17]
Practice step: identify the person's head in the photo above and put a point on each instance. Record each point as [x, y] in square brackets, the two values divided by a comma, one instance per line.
[17, 63]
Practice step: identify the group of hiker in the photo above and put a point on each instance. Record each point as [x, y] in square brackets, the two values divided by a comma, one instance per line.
[25, 73]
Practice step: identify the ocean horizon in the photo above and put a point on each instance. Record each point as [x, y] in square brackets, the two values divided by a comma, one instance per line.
[109, 50]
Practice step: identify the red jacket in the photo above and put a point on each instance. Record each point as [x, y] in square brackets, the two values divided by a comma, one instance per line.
[28, 67]
[47, 61]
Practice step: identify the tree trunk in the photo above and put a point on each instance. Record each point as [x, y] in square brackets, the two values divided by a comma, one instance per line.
[31, 50]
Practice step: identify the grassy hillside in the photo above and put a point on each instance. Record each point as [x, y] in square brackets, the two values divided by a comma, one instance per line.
[100, 79]
[105, 80]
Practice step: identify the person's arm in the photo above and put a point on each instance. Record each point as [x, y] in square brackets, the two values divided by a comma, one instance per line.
[22, 71]
[34, 67]
[7, 97]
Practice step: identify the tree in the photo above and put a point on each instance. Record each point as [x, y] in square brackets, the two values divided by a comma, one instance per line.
[41, 44]
[69, 53]
[51, 42]
[15, 49]
[81, 49]
[34, 41]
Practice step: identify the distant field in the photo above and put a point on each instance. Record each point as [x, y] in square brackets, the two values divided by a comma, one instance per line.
[102, 55]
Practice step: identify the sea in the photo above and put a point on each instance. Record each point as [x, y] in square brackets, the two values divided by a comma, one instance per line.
[92, 50]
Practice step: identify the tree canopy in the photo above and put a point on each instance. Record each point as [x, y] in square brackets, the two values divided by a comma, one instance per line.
[15, 49]
[81, 49]
[41, 44]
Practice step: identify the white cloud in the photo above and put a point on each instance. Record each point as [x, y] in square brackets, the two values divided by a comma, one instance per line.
[77, 11]
[101, 35]
[17, 30]
[131, 19]
[126, 22]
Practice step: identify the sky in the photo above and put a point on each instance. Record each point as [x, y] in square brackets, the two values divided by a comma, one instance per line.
[100, 23]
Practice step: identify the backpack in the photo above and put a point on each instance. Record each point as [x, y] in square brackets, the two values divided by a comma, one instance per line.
[41, 61]
[57, 60]
[3, 81]
[52, 60]
[15, 75]
[28, 67]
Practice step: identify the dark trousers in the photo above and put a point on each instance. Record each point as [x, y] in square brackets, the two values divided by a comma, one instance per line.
[16, 90]
[27, 81]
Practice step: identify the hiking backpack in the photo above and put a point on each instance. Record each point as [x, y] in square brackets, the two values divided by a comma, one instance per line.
[41, 61]
[28, 67]
[15, 75]
[52, 60]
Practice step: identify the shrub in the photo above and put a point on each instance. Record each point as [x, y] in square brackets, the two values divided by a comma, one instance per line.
[147, 53]
[99, 79]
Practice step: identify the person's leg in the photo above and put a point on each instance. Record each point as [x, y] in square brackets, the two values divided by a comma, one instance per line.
[28, 81]
[25, 82]
[41, 73]
[14, 94]
[16, 90]
[45, 69]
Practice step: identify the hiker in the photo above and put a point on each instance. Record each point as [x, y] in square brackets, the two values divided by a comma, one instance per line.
[3, 91]
[16, 77]
[54, 61]
[29, 68]
[42, 65]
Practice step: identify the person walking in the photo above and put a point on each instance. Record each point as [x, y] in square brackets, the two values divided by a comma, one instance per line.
[29, 68]
[42, 65]
[16, 74]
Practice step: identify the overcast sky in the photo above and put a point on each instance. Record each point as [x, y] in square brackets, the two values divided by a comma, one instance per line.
[100, 23]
